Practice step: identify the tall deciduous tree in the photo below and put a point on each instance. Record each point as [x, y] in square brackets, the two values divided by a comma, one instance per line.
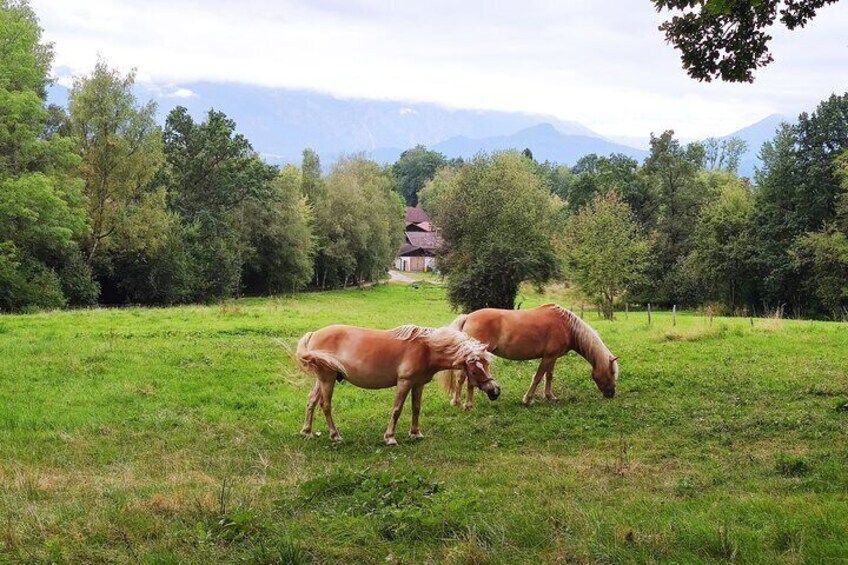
[824, 253]
[721, 264]
[211, 173]
[672, 169]
[498, 219]
[414, 168]
[360, 222]
[121, 150]
[724, 154]
[41, 205]
[279, 231]
[605, 251]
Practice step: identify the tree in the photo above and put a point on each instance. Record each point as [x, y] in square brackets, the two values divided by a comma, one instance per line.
[798, 190]
[42, 211]
[360, 222]
[121, 150]
[724, 154]
[728, 39]
[279, 231]
[498, 219]
[414, 168]
[720, 266]
[558, 177]
[776, 219]
[824, 253]
[822, 136]
[211, 173]
[312, 184]
[431, 195]
[605, 251]
[671, 170]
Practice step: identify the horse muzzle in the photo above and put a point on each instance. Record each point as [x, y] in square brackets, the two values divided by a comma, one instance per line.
[494, 392]
[609, 393]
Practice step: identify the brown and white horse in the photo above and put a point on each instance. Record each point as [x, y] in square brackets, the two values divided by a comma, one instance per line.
[547, 333]
[406, 357]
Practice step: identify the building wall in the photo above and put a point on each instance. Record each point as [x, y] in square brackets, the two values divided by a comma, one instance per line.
[415, 264]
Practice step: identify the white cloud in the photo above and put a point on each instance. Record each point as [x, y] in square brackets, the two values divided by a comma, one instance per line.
[406, 111]
[179, 93]
[601, 63]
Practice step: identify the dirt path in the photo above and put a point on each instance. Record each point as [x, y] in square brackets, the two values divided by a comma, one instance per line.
[397, 276]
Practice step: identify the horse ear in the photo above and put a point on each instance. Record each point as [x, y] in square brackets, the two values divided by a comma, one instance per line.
[614, 358]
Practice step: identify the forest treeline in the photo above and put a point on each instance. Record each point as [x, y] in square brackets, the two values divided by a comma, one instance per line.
[101, 204]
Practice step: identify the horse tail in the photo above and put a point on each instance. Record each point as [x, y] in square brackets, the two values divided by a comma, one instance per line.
[311, 360]
[459, 323]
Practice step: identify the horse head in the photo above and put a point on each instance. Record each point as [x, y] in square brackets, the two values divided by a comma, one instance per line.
[605, 375]
[479, 374]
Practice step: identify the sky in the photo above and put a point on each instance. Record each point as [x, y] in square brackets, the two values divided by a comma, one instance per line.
[601, 63]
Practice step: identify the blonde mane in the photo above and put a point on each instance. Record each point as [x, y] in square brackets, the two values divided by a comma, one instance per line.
[587, 342]
[456, 344]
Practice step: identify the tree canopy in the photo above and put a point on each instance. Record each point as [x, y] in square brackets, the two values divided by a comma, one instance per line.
[497, 217]
[729, 39]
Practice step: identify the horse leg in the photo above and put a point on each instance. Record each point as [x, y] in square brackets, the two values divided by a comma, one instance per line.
[549, 383]
[314, 397]
[540, 372]
[457, 391]
[417, 393]
[469, 397]
[327, 385]
[397, 408]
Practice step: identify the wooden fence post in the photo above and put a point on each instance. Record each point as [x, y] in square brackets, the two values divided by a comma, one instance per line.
[649, 314]
[627, 311]
[674, 315]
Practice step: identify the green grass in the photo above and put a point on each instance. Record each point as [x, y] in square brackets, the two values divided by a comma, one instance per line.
[170, 435]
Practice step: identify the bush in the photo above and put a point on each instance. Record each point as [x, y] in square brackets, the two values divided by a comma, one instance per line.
[77, 280]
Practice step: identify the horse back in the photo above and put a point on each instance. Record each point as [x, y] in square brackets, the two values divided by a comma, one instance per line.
[372, 358]
[519, 334]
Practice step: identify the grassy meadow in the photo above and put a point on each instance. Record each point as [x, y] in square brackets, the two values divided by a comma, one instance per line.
[171, 435]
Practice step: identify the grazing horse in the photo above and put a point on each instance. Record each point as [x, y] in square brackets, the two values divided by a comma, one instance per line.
[547, 333]
[406, 357]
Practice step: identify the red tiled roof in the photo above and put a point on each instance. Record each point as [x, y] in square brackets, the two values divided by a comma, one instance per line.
[425, 240]
[416, 215]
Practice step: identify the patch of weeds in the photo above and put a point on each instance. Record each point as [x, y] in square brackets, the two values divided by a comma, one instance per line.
[404, 506]
[282, 552]
[792, 466]
[228, 526]
[469, 551]
[698, 334]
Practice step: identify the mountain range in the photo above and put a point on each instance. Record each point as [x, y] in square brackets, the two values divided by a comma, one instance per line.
[280, 123]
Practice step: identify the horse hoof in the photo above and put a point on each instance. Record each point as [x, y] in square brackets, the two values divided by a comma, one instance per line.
[455, 402]
[416, 435]
[307, 433]
[552, 398]
[335, 437]
[526, 401]
[468, 407]
[390, 441]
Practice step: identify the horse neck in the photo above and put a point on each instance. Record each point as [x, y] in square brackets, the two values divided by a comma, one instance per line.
[584, 341]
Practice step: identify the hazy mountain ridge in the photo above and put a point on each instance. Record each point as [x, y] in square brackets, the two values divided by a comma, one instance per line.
[280, 123]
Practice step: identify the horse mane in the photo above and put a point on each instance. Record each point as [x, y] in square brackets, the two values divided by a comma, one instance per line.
[587, 341]
[454, 343]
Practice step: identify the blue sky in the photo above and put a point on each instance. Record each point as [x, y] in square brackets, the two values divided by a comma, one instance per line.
[602, 63]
